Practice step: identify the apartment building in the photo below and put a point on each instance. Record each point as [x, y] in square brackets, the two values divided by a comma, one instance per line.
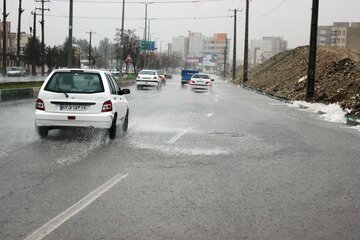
[214, 51]
[180, 46]
[267, 47]
[340, 34]
[24, 40]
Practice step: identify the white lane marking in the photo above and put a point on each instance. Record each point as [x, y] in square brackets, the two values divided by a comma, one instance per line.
[155, 95]
[179, 135]
[209, 115]
[74, 209]
[216, 100]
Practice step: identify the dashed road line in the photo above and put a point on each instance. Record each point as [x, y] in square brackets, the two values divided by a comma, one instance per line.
[74, 209]
[179, 135]
[209, 115]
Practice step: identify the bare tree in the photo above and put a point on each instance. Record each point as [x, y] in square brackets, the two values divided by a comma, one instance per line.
[131, 47]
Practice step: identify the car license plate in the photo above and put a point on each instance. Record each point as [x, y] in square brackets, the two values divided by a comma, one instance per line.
[64, 107]
[200, 81]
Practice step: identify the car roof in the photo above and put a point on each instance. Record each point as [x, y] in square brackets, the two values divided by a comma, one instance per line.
[80, 70]
[150, 70]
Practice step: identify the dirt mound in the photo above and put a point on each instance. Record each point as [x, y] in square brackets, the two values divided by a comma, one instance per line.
[337, 76]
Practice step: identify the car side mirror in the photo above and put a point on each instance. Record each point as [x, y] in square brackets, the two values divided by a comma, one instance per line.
[124, 91]
[212, 79]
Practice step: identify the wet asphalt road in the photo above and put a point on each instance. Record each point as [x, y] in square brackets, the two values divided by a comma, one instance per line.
[221, 164]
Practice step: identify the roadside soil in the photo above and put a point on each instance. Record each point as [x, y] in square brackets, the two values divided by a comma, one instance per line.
[337, 76]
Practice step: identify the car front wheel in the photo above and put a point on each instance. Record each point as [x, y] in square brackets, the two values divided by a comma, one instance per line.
[125, 123]
[112, 129]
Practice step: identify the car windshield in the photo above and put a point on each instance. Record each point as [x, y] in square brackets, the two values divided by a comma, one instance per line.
[15, 69]
[144, 72]
[203, 76]
[74, 82]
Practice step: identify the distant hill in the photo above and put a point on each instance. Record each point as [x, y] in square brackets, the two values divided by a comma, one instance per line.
[337, 76]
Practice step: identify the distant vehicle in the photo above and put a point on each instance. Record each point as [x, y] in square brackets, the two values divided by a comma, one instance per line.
[148, 78]
[115, 72]
[201, 81]
[186, 75]
[81, 98]
[162, 76]
[16, 72]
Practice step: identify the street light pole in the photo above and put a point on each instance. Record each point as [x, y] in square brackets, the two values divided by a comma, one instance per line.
[122, 38]
[42, 22]
[234, 47]
[70, 51]
[33, 63]
[4, 38]
[246, 44]
[18, 36]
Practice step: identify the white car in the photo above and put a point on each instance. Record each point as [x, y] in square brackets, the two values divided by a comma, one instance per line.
[81, 98]
[148, 78]
[16, 72]
[201, 81]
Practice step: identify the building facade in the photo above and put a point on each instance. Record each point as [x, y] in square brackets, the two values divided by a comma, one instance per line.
[264, 49]
[24, 40]
[340, 34]
[200, 52]
[180, 46]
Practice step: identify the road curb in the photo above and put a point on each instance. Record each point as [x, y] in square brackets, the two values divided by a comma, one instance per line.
[351, 119]
[260, 91]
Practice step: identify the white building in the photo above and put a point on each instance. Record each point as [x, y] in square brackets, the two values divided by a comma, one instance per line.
[262, 50]
[180, 46]
[196, 44]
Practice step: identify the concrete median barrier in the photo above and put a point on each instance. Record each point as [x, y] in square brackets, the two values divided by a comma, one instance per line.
[18, 93]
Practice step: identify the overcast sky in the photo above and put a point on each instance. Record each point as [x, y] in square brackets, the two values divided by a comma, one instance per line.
[287, 18]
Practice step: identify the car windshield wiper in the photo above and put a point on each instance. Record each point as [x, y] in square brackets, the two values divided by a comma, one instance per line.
[57, 84]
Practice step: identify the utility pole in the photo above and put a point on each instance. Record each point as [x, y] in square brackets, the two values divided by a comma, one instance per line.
[70, 50]
[4, 38]
[145, 31]
[33, 62]
[246, 45]
[234, 47]
[310, 85]
[90, 57]
[225, 56]
[122, 38]
[145, 42]
[18, 36]
[42, 22]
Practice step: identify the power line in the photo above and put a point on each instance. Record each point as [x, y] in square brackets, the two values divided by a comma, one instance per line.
[117, 18]
[139, 2]
[272, 10]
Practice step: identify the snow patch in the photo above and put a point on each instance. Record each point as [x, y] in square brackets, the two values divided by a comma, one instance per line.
[330, 112]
